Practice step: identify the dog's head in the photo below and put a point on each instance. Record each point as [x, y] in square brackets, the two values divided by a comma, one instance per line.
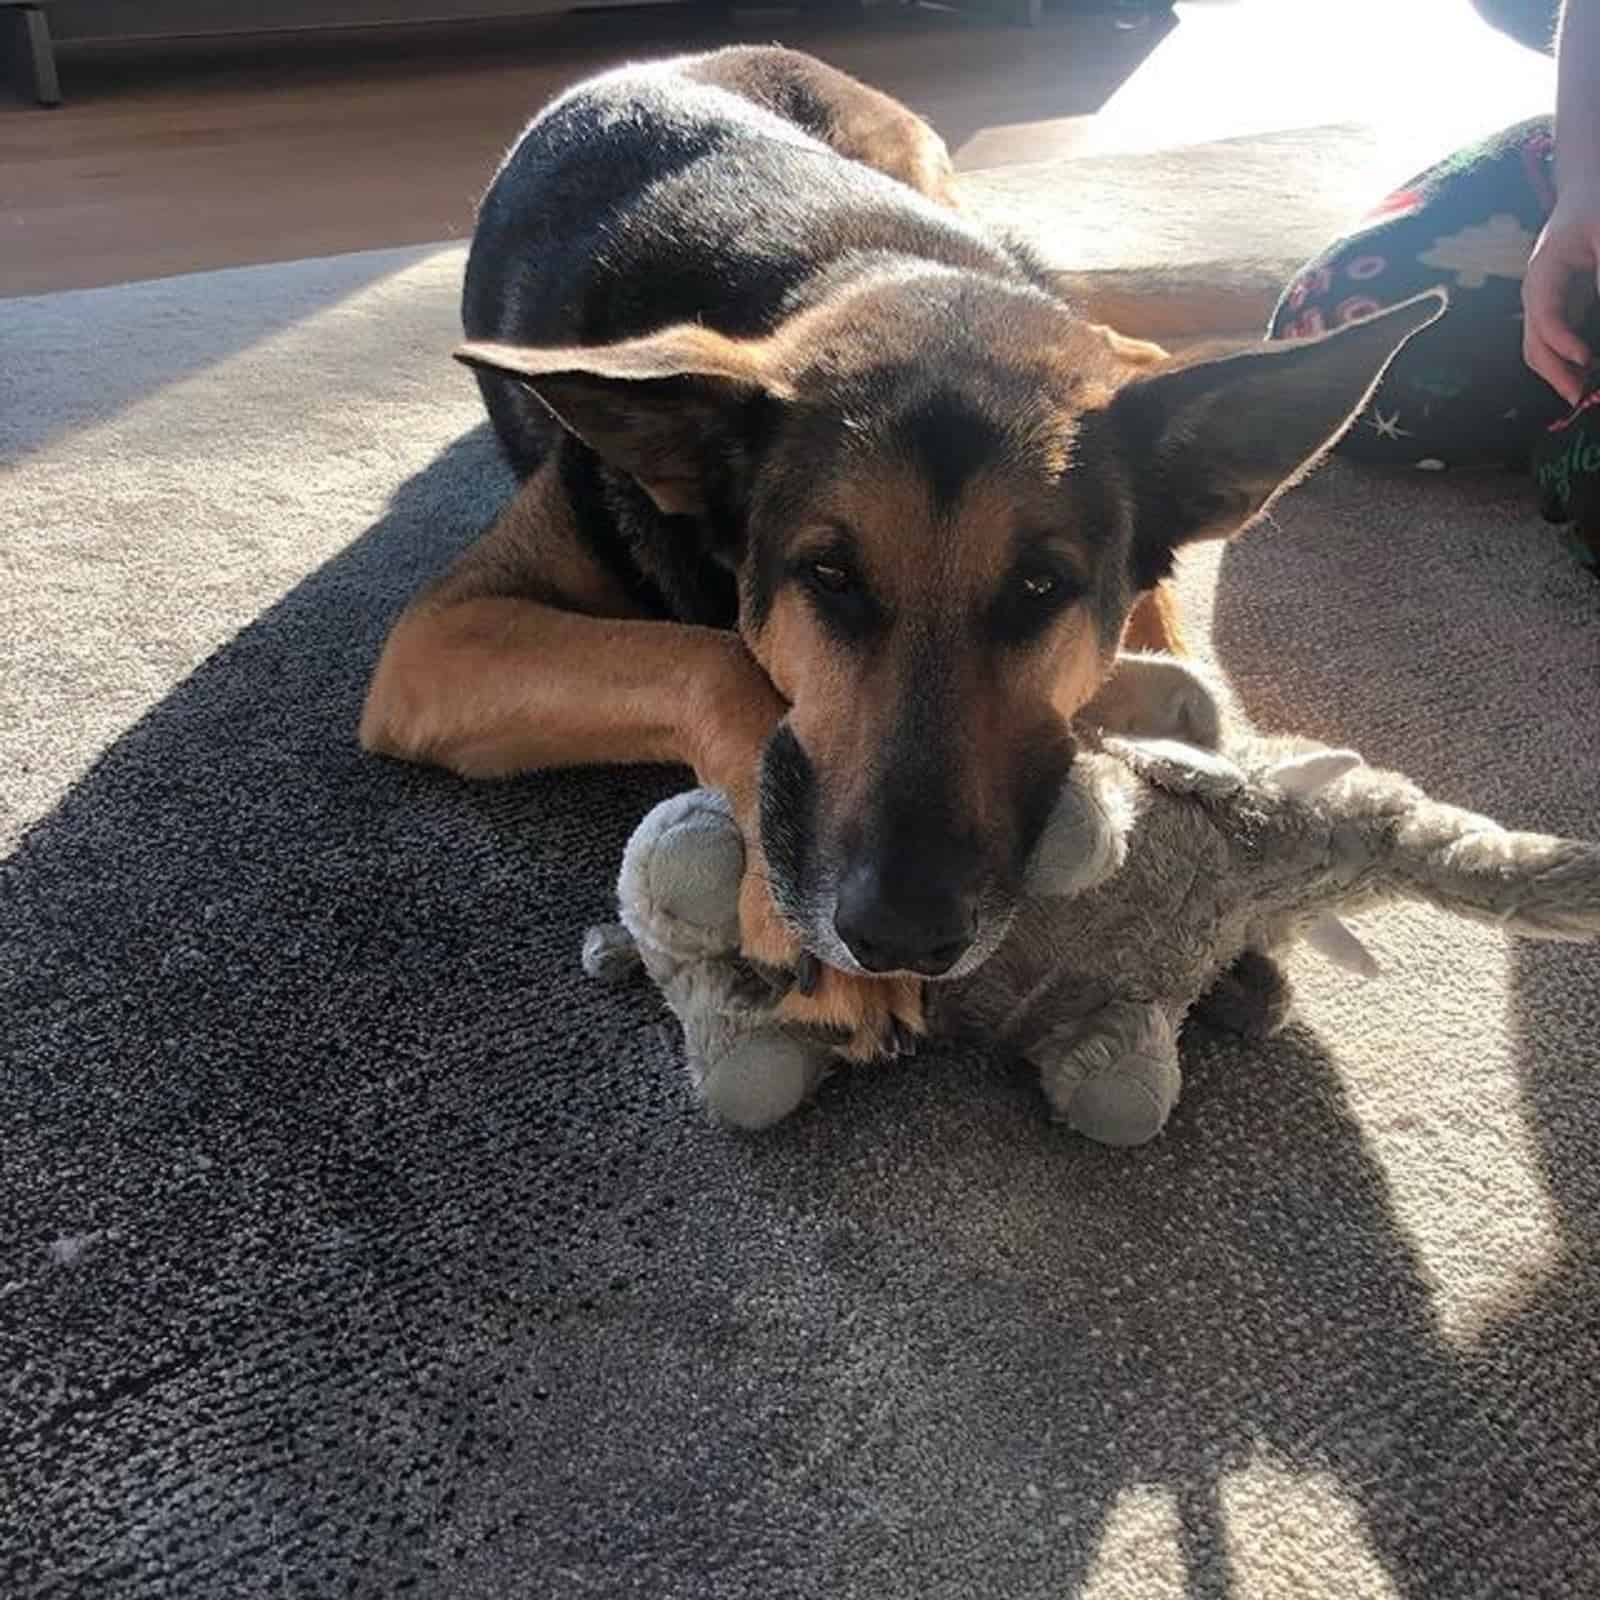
[942, 495]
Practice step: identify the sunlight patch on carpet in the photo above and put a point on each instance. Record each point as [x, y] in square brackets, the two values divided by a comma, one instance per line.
[134, 544]
[1297, 1534]
[1461, 1169]
[1139, 1556]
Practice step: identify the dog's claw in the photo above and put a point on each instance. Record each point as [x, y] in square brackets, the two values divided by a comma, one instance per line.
[807, 973]
[759, 986]
[902, 1040]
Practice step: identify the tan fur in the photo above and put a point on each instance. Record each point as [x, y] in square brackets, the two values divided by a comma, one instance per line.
[534, 539]
[486, 681]
[686, 348]
[1156, 306]
[804, 667]
[859, 1008]
[1134, 354]
[883, 134]
[1078, 667]
[1155, 623]
[496, 685]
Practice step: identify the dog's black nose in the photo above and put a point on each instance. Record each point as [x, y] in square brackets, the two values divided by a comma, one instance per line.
[921, 926]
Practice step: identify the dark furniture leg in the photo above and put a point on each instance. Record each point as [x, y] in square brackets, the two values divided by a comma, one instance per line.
[32, 34]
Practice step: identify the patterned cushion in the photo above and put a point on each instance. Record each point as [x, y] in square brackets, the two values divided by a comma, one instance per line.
[1459, 393]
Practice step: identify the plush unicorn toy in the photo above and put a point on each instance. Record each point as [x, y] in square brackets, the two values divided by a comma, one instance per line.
[1168, 872]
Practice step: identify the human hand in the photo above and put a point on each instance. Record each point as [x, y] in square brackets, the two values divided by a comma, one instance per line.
[1564, 265]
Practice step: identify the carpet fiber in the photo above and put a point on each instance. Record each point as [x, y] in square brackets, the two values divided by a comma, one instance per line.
[351, 1243]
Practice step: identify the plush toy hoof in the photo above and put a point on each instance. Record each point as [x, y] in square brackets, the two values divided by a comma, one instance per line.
[697, 863]
[681, 873]
[1252, 998]
[1127, 1103]
[762, 1079]
[609, 953]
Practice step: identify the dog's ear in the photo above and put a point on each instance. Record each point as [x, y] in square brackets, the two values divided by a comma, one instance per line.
[1208, 444]
[661, 408]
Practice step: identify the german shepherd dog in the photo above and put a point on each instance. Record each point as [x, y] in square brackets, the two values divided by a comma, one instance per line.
[824, 494]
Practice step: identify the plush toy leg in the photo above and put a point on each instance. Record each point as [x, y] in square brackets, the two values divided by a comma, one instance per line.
[1252, 998]
[1115, 1078]
[609, 953]
[758, 1078]
[678, 896]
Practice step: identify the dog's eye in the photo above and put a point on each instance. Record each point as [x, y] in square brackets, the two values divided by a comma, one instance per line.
[841, 598]
[831, 576]
[1042, 587]
[1029, 601]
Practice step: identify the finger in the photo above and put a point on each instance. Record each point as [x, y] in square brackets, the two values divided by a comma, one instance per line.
[1543, 360]
[1558, 375]
[1544, 316]
[1565, 343]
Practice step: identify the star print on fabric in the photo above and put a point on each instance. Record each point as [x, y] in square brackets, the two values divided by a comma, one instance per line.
[1387, 427]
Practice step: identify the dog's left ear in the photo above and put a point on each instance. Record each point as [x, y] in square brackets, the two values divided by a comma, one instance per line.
[1207, 445]
[659, 407]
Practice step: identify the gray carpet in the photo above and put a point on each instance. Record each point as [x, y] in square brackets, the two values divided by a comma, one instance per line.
[352, 1244]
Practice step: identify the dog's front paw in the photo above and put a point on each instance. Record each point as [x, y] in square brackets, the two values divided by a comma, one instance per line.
[767, 944]
[873, 1018]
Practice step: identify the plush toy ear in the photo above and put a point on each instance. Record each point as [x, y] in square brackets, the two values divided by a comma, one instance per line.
[1207, 445]
[660, 408]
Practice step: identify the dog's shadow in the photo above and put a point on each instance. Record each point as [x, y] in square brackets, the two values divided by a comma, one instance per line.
[1232, 1321]
[317, 1134]
[1235, 1321]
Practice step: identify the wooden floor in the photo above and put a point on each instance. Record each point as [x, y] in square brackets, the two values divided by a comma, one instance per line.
[177, 158]
[160, 163]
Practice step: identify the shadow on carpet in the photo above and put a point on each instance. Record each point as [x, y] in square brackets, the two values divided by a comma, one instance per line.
[354, 1244]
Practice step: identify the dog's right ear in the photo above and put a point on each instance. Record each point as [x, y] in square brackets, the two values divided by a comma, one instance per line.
[662, 408]
[1208, 443]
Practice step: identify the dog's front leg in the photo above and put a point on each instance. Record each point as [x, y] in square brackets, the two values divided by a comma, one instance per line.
[495, 684]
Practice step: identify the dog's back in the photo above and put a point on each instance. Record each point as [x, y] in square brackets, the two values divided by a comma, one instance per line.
[684, 191]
